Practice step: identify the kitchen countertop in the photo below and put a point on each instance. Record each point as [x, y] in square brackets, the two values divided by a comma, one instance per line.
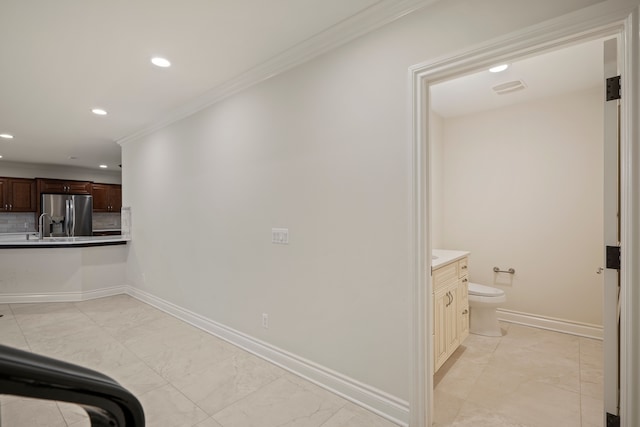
[445, 256]
[19, 241]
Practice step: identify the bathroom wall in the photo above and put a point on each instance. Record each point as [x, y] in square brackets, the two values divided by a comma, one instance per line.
[523, 189]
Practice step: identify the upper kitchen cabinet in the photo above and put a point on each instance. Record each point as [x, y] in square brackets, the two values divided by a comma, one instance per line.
[17, 195]
[107, 197]
[61, 186]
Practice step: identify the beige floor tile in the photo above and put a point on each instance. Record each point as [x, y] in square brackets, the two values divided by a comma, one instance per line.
[351, 415]
[282, 403]
[43, 308]
[592, 412]
[528, 377]
[175, 359]
[446, 408]
[531, 339]
[591, 368]
[167, 407]
[224, 382]
[11, 334]
[209, 422]
[542, 363]
[476, 416]
[74, 414]
[120, 313]
[530, 403]
[459, 373]
[32, 413]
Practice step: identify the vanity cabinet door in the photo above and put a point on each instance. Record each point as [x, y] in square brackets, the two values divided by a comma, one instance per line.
[439, 328]
[452, 316]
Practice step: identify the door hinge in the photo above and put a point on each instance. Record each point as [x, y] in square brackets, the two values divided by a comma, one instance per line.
[613, 420]
[613, 88]
[613, 257]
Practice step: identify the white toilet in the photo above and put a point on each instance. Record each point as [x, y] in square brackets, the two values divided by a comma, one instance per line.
[483, 301]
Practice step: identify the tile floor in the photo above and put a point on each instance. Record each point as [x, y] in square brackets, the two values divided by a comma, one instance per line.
[182, 376]
[527, 378]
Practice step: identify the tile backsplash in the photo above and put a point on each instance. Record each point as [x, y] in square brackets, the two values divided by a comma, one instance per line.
[26, 222]
[106, 220]
[17, 222]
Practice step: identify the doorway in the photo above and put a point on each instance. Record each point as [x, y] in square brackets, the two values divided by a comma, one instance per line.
[517, 180]
[571, 30]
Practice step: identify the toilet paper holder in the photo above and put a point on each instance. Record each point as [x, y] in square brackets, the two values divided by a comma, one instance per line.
[510, 271]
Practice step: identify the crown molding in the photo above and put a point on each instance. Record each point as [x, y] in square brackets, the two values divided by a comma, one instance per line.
[370, 19]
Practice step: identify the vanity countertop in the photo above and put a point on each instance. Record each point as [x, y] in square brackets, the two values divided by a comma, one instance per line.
[442, 257]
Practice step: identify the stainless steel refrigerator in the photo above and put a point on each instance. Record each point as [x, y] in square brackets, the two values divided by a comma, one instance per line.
[65, 215]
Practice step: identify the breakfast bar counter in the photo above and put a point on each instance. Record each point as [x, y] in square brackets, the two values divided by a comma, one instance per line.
[20, 241]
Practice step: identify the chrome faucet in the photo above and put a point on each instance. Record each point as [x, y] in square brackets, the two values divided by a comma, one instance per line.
[41, 224]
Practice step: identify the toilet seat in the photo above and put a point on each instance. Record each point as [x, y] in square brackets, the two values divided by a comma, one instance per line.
[484, 291]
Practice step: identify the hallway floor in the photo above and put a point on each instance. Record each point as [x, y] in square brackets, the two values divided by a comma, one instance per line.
[527, 378]
[182, 375]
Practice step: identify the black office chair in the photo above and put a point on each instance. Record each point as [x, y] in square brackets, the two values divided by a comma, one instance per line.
[106, 402]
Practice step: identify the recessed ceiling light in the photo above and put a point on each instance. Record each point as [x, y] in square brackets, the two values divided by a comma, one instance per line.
[0, 157]
[499, 68]
[103, 166]
[99, 112]
[6, 136]
[160, 62]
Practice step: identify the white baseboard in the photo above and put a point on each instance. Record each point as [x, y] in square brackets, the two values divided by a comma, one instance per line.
[552, 324]
[61, 296]
[377, 401]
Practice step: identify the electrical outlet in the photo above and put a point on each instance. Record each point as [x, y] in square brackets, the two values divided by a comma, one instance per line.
[265, 320]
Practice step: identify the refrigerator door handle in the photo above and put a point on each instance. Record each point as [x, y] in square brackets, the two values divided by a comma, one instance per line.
[72, 224]
[67, 217]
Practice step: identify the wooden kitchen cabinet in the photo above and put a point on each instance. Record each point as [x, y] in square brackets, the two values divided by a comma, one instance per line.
[17, 195]
[107, 197]
[450, 309]
[61, 186]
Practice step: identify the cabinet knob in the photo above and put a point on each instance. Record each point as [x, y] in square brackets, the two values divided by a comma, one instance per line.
[465, 280]
[465, 311]
[10, 207]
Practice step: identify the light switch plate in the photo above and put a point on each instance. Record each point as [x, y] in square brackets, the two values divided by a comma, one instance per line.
[280, 236]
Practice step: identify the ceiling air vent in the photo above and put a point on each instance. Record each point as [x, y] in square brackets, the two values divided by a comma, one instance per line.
[509, 87]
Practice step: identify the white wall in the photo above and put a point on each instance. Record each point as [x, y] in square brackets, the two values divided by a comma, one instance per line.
[32, 170]
[523, 189]
[323, 150]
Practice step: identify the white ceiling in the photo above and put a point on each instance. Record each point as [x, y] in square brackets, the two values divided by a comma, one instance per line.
[62, 58]
[561, 71]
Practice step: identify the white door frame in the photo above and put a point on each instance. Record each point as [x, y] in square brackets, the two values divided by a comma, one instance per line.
[607, 18]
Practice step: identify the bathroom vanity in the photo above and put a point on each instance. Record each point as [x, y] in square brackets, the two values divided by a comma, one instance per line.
[450, 278]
